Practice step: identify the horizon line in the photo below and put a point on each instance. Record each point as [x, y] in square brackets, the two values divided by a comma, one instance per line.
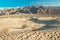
[25, 6]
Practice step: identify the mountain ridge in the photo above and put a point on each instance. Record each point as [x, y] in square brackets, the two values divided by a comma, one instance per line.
[32, 10]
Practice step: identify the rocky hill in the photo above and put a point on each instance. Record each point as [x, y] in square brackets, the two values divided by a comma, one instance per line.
[32, 10]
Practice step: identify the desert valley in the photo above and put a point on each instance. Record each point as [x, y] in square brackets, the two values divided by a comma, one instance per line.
[30, 23]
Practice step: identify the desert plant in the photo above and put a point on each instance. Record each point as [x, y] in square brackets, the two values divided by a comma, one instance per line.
[4, 31]
[53, 16]
[24, 25]
[34, 29]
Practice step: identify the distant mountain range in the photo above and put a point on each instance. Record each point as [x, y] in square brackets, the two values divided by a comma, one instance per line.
[33, 10]
[40, 10]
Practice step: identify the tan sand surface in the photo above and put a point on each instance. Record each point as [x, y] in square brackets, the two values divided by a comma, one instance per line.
[46, 18]
[17, 23]
[12, 29]
[32, 35]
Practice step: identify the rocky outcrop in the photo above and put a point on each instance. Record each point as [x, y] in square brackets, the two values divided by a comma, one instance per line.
[33, 10]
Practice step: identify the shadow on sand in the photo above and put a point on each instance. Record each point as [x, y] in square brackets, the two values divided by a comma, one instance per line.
[46, 27]
[47, 22]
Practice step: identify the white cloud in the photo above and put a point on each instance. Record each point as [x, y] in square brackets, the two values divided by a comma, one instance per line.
[46, 3]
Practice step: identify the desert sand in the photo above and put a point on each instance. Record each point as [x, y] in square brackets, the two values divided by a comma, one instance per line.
[32, 35]
[41, 28]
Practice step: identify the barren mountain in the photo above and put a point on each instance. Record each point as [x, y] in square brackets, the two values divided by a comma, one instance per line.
[42, 10]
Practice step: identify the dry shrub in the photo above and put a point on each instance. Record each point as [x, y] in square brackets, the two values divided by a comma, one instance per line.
[4, 31]
[1, 38]
[24, 26]
[34, 29]
[53, 16]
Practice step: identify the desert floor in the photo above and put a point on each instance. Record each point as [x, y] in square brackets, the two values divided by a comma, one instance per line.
[29, 28]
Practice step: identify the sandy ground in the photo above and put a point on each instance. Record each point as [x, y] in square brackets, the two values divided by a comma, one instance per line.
[32, 35]
[17, 23]
[14, 29]
[46, 18]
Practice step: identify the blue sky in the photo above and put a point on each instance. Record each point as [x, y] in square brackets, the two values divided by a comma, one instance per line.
[22, 3]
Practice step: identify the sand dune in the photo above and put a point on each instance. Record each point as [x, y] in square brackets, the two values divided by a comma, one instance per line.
[17, 23]
[43, 28]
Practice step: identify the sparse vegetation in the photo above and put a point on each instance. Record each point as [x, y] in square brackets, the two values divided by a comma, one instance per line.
[30, 19]
[31, 32]
[34, 29]
[24, 26]
[4, 31]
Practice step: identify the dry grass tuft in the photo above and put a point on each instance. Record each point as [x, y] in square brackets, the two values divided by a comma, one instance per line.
[24, 26]
[4, 31]
[34, 29]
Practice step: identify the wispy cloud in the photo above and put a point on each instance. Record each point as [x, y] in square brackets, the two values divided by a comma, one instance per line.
[46, 2]
[37, 3]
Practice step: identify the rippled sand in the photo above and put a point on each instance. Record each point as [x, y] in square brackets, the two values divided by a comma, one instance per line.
[32, 35]
[44, 28]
